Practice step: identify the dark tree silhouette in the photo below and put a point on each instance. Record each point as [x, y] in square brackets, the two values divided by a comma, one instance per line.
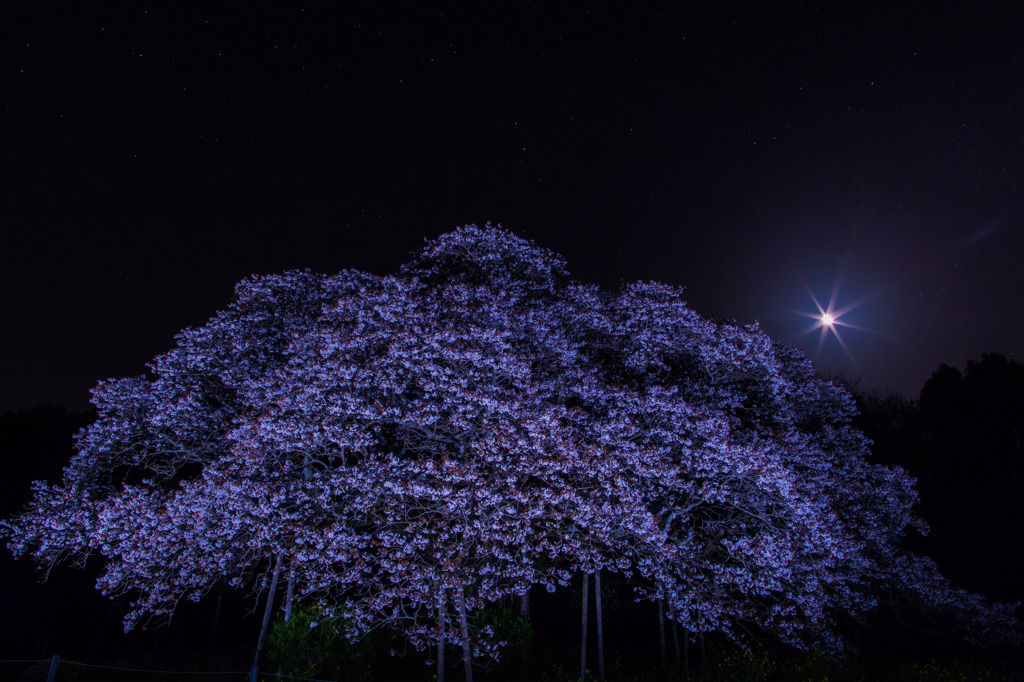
[961, 442]
[973, 492]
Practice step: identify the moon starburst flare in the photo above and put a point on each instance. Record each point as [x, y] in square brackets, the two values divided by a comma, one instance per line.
[828, 318]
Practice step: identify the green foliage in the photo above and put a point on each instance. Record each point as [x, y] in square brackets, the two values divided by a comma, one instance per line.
[507, 626]
[759, 664]
[957, 671]
[310, 645]
[752, 665]
[556, 673]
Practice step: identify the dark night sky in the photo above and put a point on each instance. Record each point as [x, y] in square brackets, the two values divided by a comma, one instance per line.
[151, 157]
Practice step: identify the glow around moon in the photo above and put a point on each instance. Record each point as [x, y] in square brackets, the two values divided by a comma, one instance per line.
[829, 319]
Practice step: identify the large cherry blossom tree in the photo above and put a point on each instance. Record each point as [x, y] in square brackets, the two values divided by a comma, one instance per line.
[410, 447]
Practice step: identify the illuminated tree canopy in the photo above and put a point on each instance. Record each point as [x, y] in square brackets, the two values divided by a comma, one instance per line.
[478, 423]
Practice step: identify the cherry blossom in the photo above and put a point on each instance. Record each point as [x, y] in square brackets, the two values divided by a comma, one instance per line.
[416, 445]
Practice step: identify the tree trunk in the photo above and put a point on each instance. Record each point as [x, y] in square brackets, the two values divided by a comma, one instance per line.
[266, 615]
[675, 640]
[686, 652]
[524, 611]
[600, 625]
[440, 645]
[467, 647]
[583, 625]
[216, 621]
[661, 631]
[288, 595]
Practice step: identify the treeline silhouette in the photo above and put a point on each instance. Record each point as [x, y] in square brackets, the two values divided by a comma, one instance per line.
[963, 439]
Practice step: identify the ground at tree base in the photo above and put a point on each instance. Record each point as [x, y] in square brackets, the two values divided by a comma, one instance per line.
[725, 663]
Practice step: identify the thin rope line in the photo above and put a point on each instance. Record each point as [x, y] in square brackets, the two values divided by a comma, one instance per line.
[166, 672]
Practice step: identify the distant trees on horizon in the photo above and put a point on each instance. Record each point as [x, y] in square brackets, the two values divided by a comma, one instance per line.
[963, 440]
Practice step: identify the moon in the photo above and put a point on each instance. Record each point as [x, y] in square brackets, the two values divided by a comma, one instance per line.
[828, 319]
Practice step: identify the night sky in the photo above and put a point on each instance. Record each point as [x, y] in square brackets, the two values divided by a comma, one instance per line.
[152, 157]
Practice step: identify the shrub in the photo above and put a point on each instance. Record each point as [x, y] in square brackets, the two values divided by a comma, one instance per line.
[311, 645]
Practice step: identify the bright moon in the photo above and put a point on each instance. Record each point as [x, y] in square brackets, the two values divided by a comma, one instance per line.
[828, 319]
